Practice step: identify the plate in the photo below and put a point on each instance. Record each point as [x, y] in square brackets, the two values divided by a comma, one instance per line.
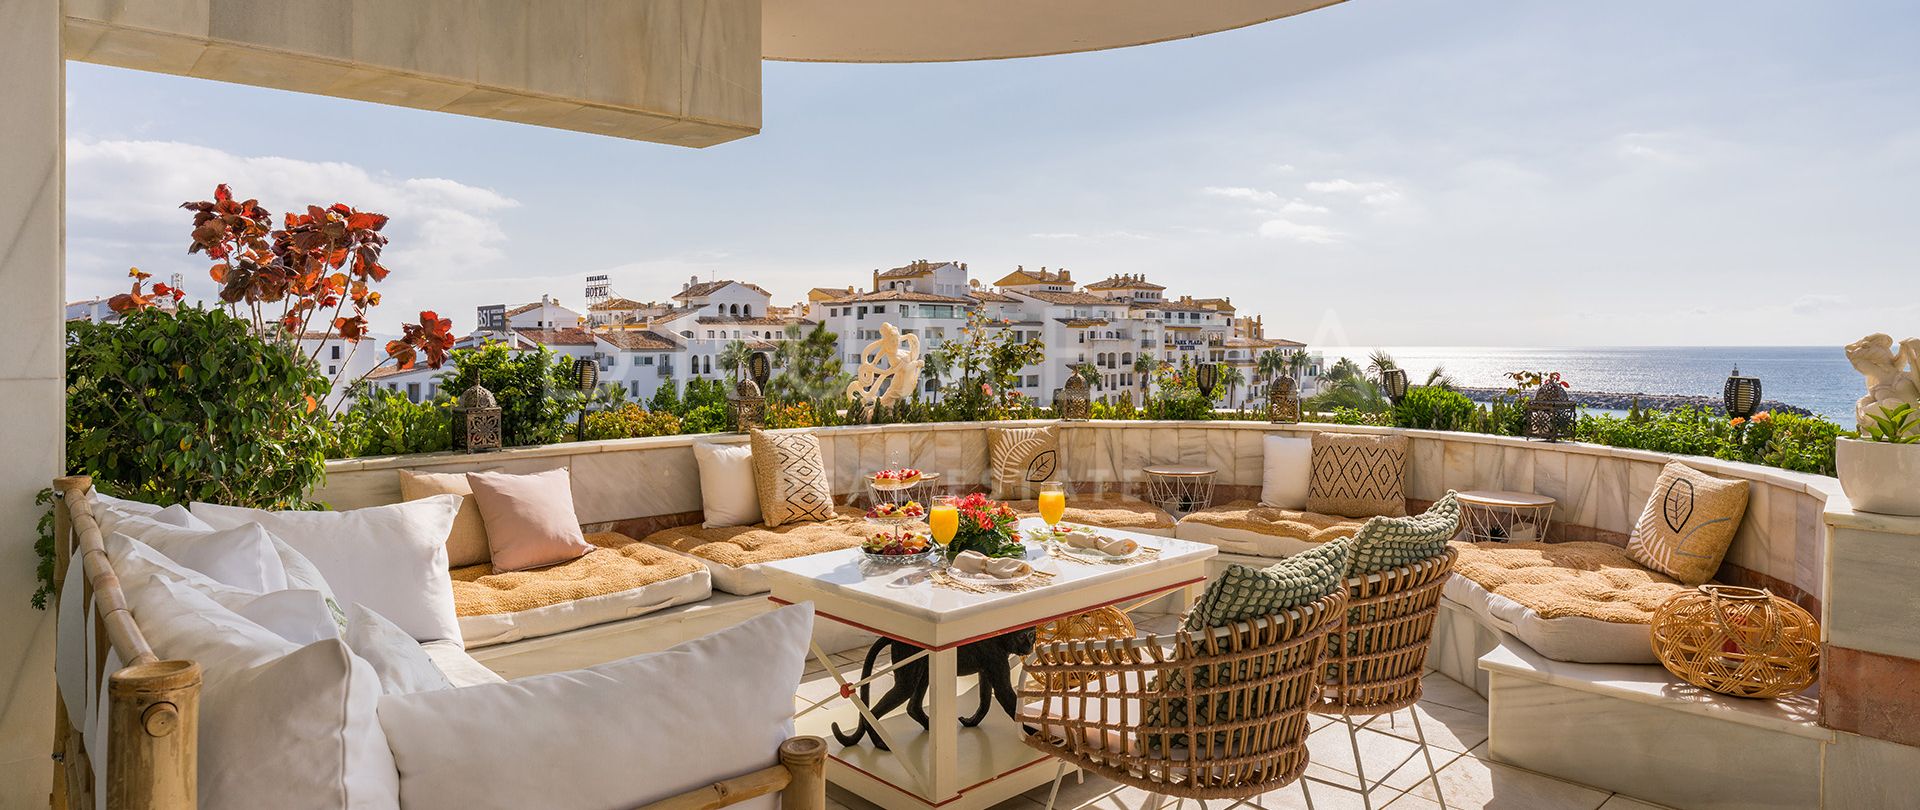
[989, 579]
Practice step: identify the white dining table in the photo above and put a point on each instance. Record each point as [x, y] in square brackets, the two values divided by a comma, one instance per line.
[946, 765]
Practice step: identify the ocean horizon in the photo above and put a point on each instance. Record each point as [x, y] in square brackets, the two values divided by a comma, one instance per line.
[1817, 378]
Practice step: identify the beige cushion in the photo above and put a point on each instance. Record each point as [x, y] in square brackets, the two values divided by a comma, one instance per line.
[1118, 512]
[1589, 580]
[620, 578]
[530, 518]
[1020, 459]
[1688, 523]
[467, 543]
[728, 495]
[1358, 475]
[733, 555]
[790, 477]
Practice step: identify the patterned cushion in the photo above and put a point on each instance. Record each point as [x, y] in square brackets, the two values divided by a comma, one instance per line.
[1020, 459]
[1243, 593]
[1358, 475]
[1688, 523]
[791, 478]
[1384, 543]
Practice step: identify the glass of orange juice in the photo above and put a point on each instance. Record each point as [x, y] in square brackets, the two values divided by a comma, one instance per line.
[944, 520]
[1053, 503]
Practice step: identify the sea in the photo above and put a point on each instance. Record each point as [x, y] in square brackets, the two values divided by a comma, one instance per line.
[1817, 378]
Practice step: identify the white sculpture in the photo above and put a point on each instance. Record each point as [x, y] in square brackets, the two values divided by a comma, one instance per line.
[1893, 376]
[895, 381]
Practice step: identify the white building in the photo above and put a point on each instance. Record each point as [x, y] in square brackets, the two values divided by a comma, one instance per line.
[341, 361]
[545, 313]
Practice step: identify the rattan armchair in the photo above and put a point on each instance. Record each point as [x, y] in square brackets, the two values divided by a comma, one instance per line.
[1089, 704]
[1377, 659]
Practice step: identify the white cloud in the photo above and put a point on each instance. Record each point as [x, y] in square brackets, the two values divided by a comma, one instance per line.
[1371, 192]
[124, 197]
[1114, 234]
[1241, 193]
[1305, 233]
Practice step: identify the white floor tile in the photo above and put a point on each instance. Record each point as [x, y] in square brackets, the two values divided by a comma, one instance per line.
[1470, 783]
[1382, 754]
[1438, 688]
[1456, 730]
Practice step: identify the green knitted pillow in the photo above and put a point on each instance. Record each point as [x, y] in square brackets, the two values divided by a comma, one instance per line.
[1243, 593]
[1384, 542]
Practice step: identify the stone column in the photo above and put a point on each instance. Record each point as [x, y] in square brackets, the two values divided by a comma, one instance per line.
[33, 98]
[1870, 666]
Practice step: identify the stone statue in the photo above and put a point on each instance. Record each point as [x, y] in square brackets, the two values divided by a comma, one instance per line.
[897, 379]
[1893, 376]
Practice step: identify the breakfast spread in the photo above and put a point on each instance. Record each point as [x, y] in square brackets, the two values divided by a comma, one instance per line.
[896, 478]
[911, 510]
[896, 545]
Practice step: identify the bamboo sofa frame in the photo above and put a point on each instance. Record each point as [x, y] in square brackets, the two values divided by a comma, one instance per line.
[153, 705]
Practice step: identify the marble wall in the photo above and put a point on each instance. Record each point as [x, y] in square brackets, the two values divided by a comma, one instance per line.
[32, 89]
[1601, 490]
[683, 72]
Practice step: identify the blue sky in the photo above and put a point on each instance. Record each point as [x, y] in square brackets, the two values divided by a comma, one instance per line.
[1392, 173]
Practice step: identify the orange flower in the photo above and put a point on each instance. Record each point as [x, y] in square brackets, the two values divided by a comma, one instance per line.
[1763, 416]
[1738, 421]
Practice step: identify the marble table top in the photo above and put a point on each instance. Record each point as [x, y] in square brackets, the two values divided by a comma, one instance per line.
[904, 603]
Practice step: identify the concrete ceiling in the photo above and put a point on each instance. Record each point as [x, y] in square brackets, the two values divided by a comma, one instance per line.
[961, 30]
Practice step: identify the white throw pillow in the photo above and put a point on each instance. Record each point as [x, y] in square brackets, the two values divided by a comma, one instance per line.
[72, 647]
[108, 509]
[281, 725]
[1288, 472]
[393, 559]
[299, 616]
[243, 556]
[727, 494]
[620, 734]
[402, 666]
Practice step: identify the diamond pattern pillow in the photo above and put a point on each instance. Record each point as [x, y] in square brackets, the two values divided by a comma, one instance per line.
[1358, 475]
[1384, 543]
[1020, 459]
[790, 477]
[1243, 593]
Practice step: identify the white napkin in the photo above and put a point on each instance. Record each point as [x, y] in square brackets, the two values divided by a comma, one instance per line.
[1117, 546]
[1083, 540]
[970, 562]
[1009, 569]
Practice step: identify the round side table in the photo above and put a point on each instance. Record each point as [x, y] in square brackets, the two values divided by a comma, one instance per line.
[1180, 488]
[1499, 517]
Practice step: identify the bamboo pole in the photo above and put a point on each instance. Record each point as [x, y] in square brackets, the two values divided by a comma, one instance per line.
[154, 725]
[806, 759]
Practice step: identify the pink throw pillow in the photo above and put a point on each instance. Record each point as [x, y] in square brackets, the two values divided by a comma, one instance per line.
[530, 519]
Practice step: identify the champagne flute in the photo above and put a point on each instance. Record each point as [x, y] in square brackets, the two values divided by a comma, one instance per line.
[1053, 505]
[944, 521]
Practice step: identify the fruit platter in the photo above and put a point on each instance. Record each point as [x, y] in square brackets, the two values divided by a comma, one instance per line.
[899, 548]
[891, 513]
[895, 479]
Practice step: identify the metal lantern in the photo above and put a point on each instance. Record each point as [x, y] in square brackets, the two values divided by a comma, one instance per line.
[747, 405]
[476, 421]
[1206, 376]
[1550, 415]
[760, 368]
[1742, 395]
[1072, 400]
[1283, 400]
[586, 374]
[1394, 380]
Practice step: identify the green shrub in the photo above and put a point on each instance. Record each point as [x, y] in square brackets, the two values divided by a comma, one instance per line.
[386, 423]
[1433, 408]
[535, 389]
[1787, 441]
[630, 421]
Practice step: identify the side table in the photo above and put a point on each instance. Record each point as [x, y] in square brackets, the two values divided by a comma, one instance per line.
[1496, 516]
[1180, 488]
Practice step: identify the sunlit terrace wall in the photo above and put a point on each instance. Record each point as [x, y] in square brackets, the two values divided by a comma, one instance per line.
[641, 485]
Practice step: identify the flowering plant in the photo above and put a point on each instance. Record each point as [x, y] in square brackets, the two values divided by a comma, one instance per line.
[985, 526]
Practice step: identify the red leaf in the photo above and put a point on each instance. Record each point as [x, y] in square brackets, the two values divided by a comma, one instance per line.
[366, 220]
[222, 194]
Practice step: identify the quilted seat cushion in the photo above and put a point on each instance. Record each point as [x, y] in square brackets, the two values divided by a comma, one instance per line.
[1585, 602]
[620, 578]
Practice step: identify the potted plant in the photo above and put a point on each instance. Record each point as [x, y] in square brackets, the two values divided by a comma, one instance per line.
[1880, 470]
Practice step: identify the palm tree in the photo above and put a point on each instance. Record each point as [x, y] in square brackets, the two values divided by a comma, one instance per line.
[608, 397]
[1297, 364]
[1087, 372]
[1233, 377]
[1270, 364]
[734, 358]
[1143, 367]
[934, 367]
[1343, 369]
[1439, 378]
[1377, 364]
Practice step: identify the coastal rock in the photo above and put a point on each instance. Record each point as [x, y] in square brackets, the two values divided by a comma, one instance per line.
[1623, 401]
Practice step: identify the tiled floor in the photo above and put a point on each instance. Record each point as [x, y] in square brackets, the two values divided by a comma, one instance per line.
[1453, 716]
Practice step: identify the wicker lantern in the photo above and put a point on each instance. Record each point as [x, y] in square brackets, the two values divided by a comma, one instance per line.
[1743, 642]
[476, 421]
[1283, 400]
[1742, 395]
[1072, 400]
[760, 368]
[747, 406]
[586, 375]
[1206, 376]
[1394, 380]
[1550, 415]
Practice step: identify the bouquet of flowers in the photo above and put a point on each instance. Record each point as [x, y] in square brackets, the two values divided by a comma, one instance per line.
[985, 526]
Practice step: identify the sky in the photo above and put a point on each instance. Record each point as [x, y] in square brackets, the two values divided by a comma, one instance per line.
[1471, 173]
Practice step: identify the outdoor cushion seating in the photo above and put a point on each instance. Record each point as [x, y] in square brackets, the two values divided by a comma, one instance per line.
[1584, 602]
[1114, 512]
[1244, 527]
[733, 554]
[619, 579]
